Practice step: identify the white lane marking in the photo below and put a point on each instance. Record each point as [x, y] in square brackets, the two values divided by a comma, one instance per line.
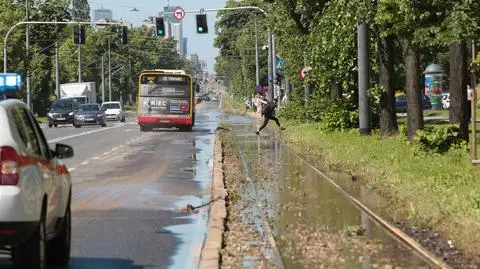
[84, 163]
[96, 158]
[106, 153]
[71, 169]
[83, 133]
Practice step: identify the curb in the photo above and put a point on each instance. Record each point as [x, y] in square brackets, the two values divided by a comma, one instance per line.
[210, 254]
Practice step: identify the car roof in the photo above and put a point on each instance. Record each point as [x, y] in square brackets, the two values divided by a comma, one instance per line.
[111, 102]
[6, 124]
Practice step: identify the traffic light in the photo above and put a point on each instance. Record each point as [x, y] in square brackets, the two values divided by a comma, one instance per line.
[159, 27]
[202, 25]
[123, 32]
[79, 34]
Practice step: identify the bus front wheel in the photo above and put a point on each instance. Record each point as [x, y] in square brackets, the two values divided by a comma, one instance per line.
[186, 128]
[145, 128]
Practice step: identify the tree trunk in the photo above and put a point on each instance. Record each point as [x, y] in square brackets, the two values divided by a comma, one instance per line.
[458, 88]
[388, 115]
[411, 59]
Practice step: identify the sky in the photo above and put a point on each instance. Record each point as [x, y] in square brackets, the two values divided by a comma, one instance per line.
[202, 44]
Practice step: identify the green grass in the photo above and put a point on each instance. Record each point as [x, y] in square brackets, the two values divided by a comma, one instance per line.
[130, 108]
[441, 192]
[233, 105]
[42, 120]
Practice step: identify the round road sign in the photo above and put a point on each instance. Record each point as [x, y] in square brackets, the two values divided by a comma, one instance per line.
[304, 71]
[179, 13]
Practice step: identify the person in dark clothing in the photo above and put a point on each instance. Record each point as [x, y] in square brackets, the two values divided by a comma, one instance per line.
[269, 114]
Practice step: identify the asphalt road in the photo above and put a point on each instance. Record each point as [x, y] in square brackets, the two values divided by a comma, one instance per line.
[128, 188]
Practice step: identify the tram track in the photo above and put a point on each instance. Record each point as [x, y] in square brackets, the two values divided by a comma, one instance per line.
[390, 229]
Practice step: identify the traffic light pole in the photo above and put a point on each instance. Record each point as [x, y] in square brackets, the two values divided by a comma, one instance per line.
[271, 42]
[79, 63]
[43, 23]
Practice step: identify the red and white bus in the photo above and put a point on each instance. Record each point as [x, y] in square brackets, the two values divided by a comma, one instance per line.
[165, 100]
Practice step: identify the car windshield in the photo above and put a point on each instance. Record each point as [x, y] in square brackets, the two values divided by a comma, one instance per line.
[62, 105]
[111, 106]
[89, 108]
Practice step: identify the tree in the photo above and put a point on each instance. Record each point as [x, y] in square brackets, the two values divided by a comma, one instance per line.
[81, 10]
[388, 115]
[404, 18]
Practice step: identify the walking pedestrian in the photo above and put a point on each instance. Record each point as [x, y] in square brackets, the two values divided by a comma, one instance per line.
[269, 114]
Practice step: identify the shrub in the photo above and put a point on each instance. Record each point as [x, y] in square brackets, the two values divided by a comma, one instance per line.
[439, 139]
[332, 116]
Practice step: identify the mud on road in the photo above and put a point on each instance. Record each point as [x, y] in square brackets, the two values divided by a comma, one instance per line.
[311, 224]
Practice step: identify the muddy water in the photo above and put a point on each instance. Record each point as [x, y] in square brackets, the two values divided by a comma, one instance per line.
[315, 226]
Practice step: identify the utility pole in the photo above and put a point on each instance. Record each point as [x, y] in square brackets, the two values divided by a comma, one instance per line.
[109, 74]
[57, 72]
[129, 82]
[257, 68]
[287, 90]
[27, 56]
[274, 68]
[57, 69]
[307, 85]
[364, 78]
[79, 63]
[103, 78]
[270, 71]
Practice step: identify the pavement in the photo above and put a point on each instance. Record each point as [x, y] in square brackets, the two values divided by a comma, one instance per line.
[129, 188]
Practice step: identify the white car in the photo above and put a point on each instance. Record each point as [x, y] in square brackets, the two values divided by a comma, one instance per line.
[113, 111]
[35, 191]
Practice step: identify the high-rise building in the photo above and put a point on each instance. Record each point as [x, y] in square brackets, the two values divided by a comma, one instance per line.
[185, 46]
[174, 30]
[102, 14]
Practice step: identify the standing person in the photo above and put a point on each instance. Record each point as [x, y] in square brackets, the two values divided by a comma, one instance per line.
[269, 114]
[469, 100]
[247, 103]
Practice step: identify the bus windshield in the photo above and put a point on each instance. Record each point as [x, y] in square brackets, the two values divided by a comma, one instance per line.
[165, 85]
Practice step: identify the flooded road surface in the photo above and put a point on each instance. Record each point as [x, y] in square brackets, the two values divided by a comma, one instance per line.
[128, 189]
[314, 225]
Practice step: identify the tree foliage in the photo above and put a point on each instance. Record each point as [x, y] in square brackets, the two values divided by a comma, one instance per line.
[142, 52]
[406, 37]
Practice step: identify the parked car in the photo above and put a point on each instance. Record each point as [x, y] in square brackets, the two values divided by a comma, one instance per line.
[89, 114]
[62, 112]
[35, 191]
[401, 103]
[114, 111]
[214, 98]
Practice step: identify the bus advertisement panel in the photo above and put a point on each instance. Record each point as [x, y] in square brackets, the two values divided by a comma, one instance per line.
[165, 100]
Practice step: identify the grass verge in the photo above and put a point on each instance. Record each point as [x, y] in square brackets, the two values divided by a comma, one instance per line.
[232, 105]
[440, 192]
[42, 120]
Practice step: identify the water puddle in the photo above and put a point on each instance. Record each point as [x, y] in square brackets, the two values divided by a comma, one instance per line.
[314, 225]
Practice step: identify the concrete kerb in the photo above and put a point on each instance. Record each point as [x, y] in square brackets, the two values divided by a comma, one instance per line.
[210, 254]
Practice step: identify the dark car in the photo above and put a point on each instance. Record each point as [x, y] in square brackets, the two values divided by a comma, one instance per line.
[401, 103]
[88, 114]
[62, 112]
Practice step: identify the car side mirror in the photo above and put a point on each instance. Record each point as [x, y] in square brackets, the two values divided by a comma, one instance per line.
[63, 151]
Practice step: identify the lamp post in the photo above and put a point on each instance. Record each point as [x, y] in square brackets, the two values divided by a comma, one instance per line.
[27, 57]
[257, 71]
